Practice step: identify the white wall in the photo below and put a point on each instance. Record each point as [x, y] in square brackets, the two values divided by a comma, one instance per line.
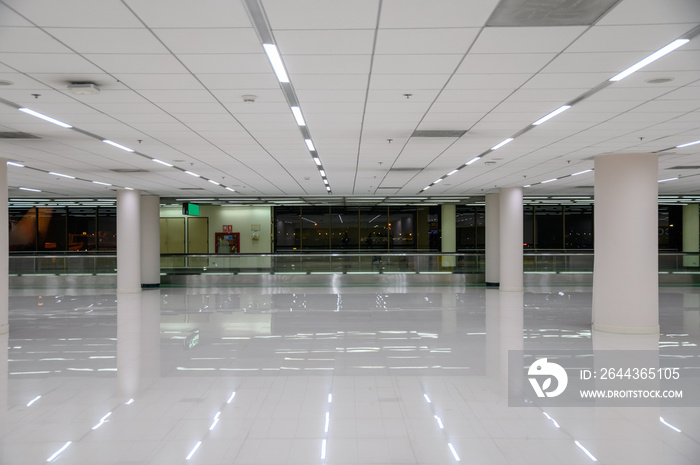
[241, 218]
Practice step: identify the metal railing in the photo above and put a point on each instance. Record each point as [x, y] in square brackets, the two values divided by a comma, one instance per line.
[328, 263]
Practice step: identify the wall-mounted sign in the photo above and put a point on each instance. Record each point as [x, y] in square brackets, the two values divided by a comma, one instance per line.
[228, 228]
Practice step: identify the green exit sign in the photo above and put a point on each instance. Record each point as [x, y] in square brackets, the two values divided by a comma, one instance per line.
[190, 209]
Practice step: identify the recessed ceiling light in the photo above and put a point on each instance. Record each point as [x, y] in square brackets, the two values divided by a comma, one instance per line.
[650, 59]
[45, 118]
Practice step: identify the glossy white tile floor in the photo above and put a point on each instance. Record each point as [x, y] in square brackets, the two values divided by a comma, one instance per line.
[350, 375]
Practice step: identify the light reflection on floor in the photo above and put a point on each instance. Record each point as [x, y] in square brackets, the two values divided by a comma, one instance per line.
[354, 375]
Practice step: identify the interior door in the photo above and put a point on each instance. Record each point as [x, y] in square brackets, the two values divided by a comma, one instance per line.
[198, 240]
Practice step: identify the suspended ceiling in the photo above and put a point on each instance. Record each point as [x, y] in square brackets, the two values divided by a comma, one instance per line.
[395, 94]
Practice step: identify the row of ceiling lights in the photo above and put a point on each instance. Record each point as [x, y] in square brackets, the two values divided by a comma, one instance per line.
[618, 77]
[106, 141]
[262, 28]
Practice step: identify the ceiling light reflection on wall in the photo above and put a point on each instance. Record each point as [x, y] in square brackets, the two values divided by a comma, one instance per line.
[45, 118]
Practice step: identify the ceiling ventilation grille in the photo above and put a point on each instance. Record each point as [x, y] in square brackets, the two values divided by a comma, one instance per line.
[17, 135]
[438, 133]
[685, 167]
[541, 13]
[128, 170]
[191, 189]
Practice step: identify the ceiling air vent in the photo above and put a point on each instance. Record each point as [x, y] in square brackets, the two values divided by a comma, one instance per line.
[128, 170]
[17, 135]
[438, 133]
[191, 189]
[685, 167]
[540, 13]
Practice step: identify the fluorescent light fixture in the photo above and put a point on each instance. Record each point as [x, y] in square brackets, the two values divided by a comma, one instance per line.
[276, 61]
[527, 185]
[425, 188]
[650, 59]
[548, 180]
[452, 172]
[581, 172]
[677, 146]
[660, 418]
[498, 146]
[29, 189]
[586, 451]
[161, 162]
[325, 181]
[194, 449]
[230, 399]
[45, 118]
[551, 115]
[29, 404]
[229, 189]
[669, 179]
[317, 161]
[473, 160]
[296, 111]
[310, 144]
[454, 452]
[437, 181]
[101, 183]
[119, 146]
[328, 188]
[61, 175]
[427, 399]
[193, 174]
[129, 188]
[18, 165]
[323, 173]
[58, 452]
[214, 182]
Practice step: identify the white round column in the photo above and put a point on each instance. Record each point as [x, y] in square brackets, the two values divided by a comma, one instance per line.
[511, 238]
[4, 249]
[128, 240]
[492, 246]
[150, 241]
[626, 265]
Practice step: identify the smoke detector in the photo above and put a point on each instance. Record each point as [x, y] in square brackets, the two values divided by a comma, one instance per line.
[83, 88]
[249, 98]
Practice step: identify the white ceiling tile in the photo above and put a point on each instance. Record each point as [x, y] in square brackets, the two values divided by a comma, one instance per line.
[184, 13]
[326, 64]
[504, 63]
[210, 40]
[329, 82]
[319, 14]
[181, 96]
[488, 81]
[526, 39]
[328, 42]
[445, 13]
[137, 63]
[226, 63]
[408, 82]
[158, 81]
[29, 40]
[91, 40]
[612, 63]
[628, 38]
[76, 13]
[424, 41]
[653, 12]
[415, 64]
[247, 81]
[48, 63]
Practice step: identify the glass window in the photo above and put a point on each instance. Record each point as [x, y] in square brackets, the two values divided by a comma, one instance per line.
[287, 229]
[466, 227]
[528, 226]
[107, 228]
[344, 233]
[22, 236]
[81, 228]
[578, 226]
[374, 228]
[315, 228]
[402, 227]
[52, 229]
[549, 227]
[670, 227]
